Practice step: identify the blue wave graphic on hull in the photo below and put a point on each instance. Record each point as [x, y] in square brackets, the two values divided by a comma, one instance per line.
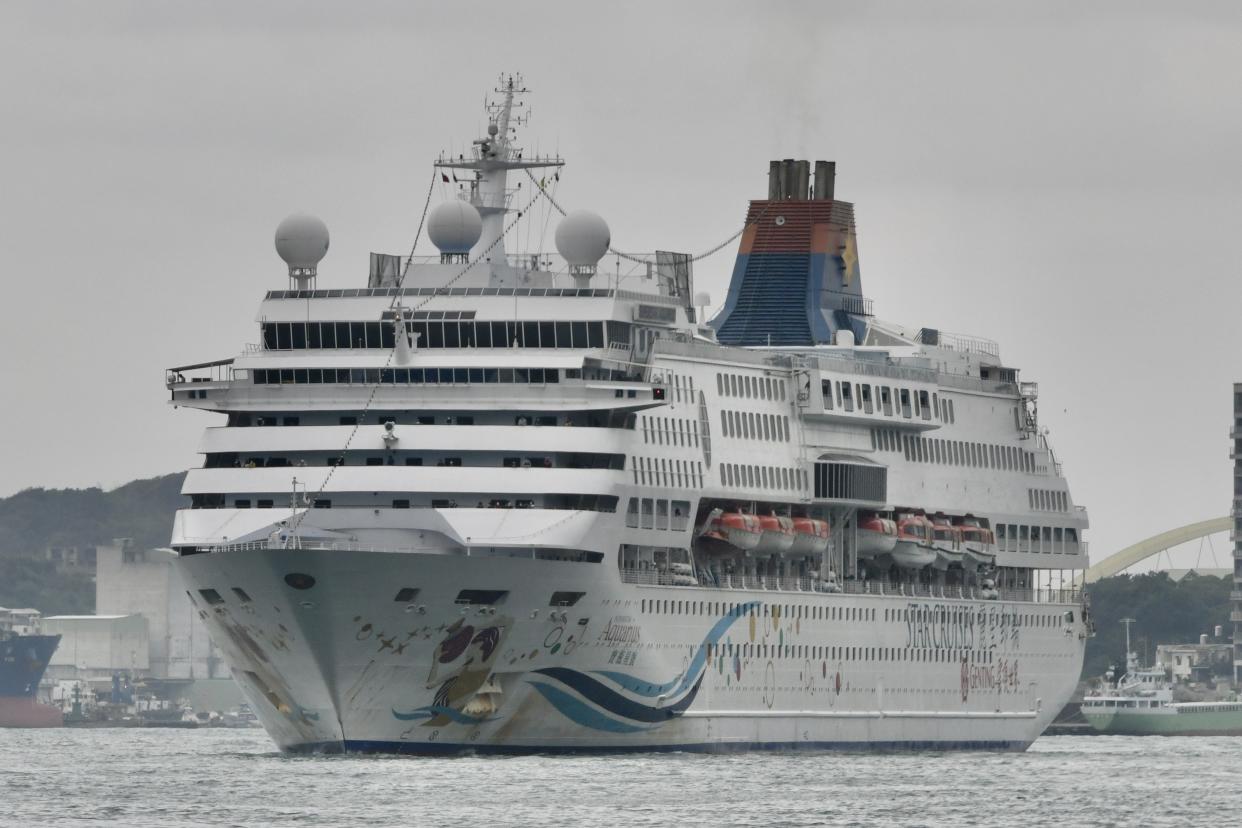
[683, 689]
[580, 712]
[642, 687]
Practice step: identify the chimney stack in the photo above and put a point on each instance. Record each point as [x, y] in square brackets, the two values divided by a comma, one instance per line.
[825, 180]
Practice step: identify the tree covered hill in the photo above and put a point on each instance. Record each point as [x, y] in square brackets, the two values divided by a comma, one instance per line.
[1165, 612]
[33, 520]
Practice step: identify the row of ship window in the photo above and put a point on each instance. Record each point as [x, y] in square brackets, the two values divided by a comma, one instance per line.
[1048, 500]
[747, 650]
[653, 513]
[919, 449]
[670, 431]
[660, 471]
[1012, 535]
[762, 477]
[405, 376]
[830, 612]
[873, 399]
[826, 612]
[575, 502]
[750, 425]
[434, 333]
[752, 387]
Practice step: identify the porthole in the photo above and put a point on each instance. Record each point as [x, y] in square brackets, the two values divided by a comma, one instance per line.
[299, 580]
[780, 221]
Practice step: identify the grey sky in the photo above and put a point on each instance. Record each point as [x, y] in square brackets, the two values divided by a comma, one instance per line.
[1063, 181]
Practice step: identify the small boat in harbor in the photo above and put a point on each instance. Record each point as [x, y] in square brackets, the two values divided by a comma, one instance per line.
[1141, 703]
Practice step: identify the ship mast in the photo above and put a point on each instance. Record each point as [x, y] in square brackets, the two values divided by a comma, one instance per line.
[491, 158]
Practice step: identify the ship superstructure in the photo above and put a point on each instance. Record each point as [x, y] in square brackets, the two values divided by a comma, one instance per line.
[505, 501]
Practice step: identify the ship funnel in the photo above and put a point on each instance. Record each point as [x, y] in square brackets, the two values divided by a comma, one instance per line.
[790, 180]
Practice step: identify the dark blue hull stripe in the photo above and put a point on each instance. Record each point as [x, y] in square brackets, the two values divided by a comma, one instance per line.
[614, 702]
[458, 749]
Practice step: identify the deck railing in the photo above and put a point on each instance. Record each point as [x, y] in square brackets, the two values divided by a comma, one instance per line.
[878, 588]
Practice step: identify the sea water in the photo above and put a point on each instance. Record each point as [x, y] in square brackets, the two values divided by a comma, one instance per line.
[133, 777]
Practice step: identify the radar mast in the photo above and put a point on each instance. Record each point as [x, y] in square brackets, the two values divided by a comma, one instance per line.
[491, 157]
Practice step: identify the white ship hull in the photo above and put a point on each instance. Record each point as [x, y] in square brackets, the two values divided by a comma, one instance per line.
[342, 666]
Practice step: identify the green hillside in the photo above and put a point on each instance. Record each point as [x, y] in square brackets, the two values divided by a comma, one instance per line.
[35, 519]
[1165, 612]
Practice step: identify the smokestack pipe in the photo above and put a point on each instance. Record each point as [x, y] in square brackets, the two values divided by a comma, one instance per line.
[825, 180]
[802, 193]
[789, 178]
[774, 180]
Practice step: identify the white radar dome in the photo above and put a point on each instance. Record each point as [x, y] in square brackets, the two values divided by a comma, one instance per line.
[454, 227]
[302, 241]
[582, 238]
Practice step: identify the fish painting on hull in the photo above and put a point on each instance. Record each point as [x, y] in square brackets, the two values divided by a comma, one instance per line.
[461, 667]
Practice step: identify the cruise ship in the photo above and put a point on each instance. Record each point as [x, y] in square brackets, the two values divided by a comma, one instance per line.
[516, 501]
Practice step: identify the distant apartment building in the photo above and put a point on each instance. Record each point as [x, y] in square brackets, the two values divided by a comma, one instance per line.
[1194, 662]
[1235, 433]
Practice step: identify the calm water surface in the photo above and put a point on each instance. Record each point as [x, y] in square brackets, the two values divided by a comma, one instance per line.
[223, 777]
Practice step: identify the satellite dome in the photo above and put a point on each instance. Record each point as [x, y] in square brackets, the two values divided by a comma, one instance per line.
[454, 227]
[302, 241]
[582, 238]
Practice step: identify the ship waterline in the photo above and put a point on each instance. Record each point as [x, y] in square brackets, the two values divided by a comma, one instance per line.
[505, 502]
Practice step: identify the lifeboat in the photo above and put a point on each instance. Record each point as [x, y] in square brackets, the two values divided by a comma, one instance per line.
[876, 535]
[777, 534]
[947, 541]
[978, 543]
[810, 536]
[734, 528]
[913, 549]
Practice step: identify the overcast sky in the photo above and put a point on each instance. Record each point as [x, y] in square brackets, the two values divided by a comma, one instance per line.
[1064, 181]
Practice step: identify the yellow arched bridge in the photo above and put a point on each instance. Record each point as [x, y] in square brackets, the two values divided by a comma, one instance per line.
[1154, 545]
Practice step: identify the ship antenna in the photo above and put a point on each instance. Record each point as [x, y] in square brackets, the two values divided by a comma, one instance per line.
[1131, 660]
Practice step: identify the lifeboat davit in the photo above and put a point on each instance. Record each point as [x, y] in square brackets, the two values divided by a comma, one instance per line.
[876, 536]
[810, 536]
[736, 529]
[777, 536]
[913, 549]
[947, 541]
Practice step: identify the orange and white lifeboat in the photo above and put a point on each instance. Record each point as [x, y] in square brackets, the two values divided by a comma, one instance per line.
[947, 540]
[736, 529]
[978, 543]
[778, 534]
[810, 536]
[913, 549]
[876, 535]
